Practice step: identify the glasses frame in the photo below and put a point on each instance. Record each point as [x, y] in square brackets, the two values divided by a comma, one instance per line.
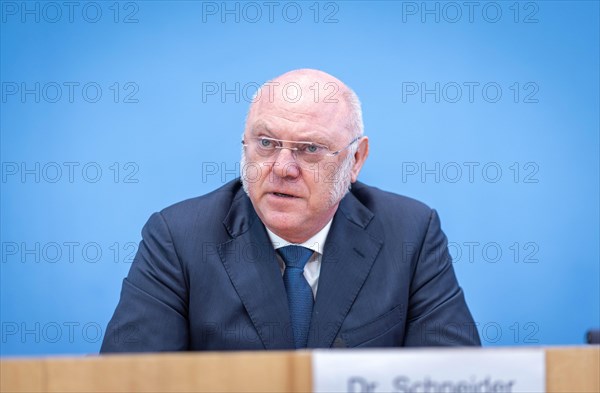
[279, 145]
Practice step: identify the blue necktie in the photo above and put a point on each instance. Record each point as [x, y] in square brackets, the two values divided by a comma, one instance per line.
[299, 293]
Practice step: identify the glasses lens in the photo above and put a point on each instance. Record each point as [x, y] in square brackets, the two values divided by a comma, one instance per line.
[304, 152]
[264, 146]
[310, 153]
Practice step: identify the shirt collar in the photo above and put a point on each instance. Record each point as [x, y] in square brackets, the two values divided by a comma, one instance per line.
[315, 243]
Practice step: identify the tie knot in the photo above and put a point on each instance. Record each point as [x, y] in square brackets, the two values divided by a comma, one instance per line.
[295, 256]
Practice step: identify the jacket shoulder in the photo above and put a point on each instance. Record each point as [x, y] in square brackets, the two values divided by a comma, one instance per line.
[389, 204]
[207, 210]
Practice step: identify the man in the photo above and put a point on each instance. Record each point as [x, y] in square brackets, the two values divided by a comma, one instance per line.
[289, 258]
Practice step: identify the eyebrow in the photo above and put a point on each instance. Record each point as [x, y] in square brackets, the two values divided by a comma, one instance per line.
[263, 126]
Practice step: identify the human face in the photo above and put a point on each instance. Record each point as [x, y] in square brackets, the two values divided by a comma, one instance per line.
[296, 201]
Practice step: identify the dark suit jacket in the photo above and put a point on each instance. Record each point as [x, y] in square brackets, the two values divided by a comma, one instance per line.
[206, 278]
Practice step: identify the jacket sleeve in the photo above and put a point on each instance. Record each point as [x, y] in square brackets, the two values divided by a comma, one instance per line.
[437, 314]
[151, 315]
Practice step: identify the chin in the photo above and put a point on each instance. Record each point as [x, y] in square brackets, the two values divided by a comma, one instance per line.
[281, 221]
[286, 225]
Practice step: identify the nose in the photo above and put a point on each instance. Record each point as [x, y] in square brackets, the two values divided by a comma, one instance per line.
[285, 165]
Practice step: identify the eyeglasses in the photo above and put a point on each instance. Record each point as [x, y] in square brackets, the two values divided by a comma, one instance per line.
[303, 152]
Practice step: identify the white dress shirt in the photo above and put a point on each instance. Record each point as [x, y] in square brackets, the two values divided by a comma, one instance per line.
[312, 268]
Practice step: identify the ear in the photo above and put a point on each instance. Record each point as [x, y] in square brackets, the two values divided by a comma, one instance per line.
[360, 157]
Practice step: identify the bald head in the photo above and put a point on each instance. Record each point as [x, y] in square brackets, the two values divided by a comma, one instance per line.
[309, 91]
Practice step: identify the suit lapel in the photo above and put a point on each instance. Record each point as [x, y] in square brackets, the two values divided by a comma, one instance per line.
[347, 260]
[250, 262]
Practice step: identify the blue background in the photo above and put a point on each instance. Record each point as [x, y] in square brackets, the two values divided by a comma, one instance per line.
[523, 225]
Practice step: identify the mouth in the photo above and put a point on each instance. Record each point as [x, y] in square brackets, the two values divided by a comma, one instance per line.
[283, 195]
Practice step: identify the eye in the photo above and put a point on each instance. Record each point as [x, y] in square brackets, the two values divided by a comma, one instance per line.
[265, 143]
[312, 149]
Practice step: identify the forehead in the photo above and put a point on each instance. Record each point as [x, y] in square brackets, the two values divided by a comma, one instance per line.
[281, 118]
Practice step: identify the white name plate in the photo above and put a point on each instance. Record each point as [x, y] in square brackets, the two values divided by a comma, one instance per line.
[430, 370]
